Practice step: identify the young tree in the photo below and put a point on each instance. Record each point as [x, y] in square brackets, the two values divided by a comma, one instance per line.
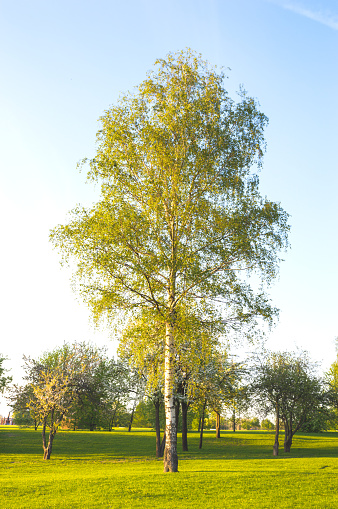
[54, 382]
[286, 384]
[180, 217]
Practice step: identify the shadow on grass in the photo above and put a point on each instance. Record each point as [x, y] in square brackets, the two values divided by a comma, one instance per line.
[120, 445]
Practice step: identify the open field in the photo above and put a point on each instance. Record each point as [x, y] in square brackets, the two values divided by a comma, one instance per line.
[119, 470]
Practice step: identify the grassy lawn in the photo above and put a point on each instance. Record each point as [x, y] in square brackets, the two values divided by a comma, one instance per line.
[119, 470]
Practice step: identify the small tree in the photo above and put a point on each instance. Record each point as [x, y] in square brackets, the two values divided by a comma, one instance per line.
[54, 382]
[286, 384]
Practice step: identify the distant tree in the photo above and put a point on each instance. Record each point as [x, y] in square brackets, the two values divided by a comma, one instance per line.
[267, 424]
[286, 384]
[23, 418]
[116, 388]
[238, 400]
[331, 381]
[4, 380]
[248, 424]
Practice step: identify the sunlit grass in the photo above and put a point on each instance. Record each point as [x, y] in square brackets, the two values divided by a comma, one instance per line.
[118, 469]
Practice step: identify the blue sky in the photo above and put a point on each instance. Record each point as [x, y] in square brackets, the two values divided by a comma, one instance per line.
[63, 63]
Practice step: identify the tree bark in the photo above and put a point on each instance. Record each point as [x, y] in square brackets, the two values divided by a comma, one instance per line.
[233, 421]
[276, 444]
[218, 425]
[47, 448]
[184, 425]
[202, 425]
[288, 435]
[170, 453]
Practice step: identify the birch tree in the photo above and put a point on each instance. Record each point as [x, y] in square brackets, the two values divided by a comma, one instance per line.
[180, 218]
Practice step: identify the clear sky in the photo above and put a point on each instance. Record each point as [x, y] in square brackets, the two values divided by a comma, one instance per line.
[63, 63]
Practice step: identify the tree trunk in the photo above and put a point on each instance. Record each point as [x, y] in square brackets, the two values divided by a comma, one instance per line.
[162, 446]
[157, 427]
[234, 421]
[47, 448]
[111, 422]
[131, 418]
[288, 435]
[287, 442]
[276, 444]
[170, 453]
[177, 413]
[184, 425]
[202, 425]
[218, 425]
[199, 424]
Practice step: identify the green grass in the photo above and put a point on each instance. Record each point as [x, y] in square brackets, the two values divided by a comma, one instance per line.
[118, 470]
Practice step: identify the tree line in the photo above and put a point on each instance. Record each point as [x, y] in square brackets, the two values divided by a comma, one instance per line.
[79, 387]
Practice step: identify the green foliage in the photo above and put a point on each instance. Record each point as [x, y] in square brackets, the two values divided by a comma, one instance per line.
[250, 423]
[286, 383]
[54, 386]
[267, 424]
[144, 416]
[331, 382]
[180, 207]
[23, 418]
[4, 380]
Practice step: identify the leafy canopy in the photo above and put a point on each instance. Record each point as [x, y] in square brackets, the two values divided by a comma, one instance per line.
[180, 217]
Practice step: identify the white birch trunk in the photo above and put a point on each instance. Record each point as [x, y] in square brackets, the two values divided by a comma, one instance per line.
[170, 453]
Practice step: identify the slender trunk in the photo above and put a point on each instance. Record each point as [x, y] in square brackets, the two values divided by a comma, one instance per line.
[131, 418]
[111, 420]
[44, 441]
[170, 453]
[184, 425]
[276, 444]
[202, 425]
[218, 425]
[157, 427]
[92, 425]
[47, 448]
[162, 446]
[234, 421]
[199, 424]
[177, 413]
[288, 435]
